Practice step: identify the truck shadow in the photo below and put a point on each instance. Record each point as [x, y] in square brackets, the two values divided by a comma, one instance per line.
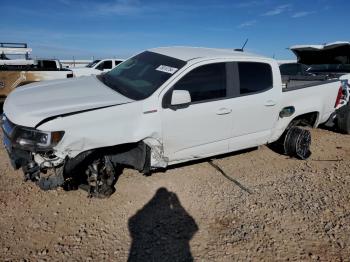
[161, 230]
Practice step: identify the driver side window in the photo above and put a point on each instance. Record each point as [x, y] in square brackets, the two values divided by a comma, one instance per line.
[204, 83]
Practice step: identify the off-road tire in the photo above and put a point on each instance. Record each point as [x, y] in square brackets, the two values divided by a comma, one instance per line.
[297, 143]
[343, 119]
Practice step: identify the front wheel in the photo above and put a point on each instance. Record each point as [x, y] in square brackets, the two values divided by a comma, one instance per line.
[101, 178]
[297, 143]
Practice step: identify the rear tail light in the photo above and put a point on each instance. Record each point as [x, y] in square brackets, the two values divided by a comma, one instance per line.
[339, 97]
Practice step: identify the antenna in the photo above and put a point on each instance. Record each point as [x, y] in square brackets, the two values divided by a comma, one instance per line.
[242, 49]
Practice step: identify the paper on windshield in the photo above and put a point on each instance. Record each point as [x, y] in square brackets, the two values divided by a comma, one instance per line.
[166, 69]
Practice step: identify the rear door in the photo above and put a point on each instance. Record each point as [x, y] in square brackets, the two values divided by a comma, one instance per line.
[203, 127]
[256, 106]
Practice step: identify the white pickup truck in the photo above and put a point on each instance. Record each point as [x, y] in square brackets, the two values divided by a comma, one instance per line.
[17, 69]
[96, 67]
[161, 107]
[15, 73]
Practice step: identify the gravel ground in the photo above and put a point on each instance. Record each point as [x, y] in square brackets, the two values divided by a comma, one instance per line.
[263, 206]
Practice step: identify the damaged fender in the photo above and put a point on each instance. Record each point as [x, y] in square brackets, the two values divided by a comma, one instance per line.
[158, 160]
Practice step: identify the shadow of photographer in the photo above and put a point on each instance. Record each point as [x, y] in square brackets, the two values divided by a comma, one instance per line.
[162, 230]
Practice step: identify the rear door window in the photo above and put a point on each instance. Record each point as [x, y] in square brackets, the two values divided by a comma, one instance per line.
[254, 77]
[107, 64]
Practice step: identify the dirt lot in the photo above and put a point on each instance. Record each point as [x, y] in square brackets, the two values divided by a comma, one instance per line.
[272, 208]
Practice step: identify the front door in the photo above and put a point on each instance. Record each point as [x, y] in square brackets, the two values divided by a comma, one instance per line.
[203, 127]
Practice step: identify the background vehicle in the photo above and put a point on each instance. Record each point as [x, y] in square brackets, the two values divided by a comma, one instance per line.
[331, 60]
[72, 63]
[18, 72]
[295, 69]
[161, 107]
[324, 62]
[96, 67]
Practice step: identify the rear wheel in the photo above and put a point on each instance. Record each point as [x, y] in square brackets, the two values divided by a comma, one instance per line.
[297, 143]
[343, 119]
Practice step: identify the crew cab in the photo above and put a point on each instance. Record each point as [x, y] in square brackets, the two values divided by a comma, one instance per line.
[96, 67]
[161, 107]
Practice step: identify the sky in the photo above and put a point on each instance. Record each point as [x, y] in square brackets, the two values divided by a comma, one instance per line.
[121, 28]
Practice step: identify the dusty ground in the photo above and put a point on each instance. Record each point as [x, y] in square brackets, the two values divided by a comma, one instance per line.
[274, 208]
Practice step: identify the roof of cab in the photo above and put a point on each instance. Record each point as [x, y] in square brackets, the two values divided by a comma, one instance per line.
[189, 53]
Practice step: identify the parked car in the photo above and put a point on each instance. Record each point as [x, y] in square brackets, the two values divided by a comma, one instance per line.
[96, 67]
[161, 107]
[19, 72]
[332, 60]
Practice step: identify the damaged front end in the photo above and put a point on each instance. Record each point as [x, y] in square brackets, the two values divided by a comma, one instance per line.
[95, 171]
[30, 149]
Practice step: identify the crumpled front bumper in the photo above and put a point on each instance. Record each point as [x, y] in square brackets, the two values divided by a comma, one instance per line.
[18, 157]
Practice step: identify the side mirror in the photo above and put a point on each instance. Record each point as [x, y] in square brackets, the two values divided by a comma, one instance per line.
[180, 97]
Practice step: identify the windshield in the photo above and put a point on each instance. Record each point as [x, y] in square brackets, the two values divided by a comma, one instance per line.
[140, 76]
[93, 63]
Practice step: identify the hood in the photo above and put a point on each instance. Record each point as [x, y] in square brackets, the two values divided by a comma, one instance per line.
[30, 104]
[333, 53]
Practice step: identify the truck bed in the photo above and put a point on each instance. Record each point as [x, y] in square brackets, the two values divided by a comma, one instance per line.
[291, 83]
[317, 97]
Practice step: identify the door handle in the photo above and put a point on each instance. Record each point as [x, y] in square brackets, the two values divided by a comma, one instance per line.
[223, 111]
[270, 103]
